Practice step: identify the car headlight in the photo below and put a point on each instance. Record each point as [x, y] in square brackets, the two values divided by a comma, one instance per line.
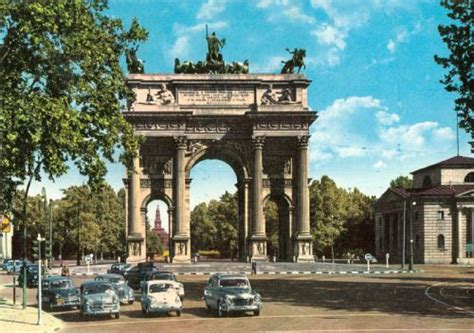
[227, 300]
[151, 299]
[257, 298]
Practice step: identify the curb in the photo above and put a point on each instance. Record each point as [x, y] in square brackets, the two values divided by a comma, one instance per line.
[385, 272]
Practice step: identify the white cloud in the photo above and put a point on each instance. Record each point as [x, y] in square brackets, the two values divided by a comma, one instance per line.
[386, 118]
[210, 9]
[351, 151]
[180, 47]
[410, 135]
[182, 29]
[444, 133]
[391, 46]
[379, 165]
[270, 65]
[330, 35]
[268, 3]
[294, 13]
[402, 36]
[284, 9]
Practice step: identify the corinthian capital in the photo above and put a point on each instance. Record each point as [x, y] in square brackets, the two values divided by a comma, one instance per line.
[258, 141]
[180, 142]
[303, 141]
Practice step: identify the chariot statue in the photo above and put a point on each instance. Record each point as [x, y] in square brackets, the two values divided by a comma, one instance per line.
[295, 61]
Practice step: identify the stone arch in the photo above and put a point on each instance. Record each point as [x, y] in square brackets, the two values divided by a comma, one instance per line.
[224, 154]
[283, 250]
[157, 196]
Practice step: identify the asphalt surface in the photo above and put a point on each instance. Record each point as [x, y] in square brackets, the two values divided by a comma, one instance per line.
[438, 299]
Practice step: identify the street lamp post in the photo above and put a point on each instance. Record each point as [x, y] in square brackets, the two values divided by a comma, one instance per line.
[410, 266]
[50, 220]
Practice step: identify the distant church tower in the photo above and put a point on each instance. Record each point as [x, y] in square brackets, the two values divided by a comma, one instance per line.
[158, 230]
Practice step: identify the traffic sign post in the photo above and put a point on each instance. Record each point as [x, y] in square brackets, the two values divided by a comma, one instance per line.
[38, 242]
[368, 257]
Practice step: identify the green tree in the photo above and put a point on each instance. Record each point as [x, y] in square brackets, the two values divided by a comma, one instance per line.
[272, 223]
[458, 37]
[402, 182]
[224, 213]
[203, 229]
[61, 92]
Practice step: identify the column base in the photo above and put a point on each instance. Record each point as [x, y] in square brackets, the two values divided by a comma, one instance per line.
[136, 249]
[181, 250]
[258, 248]
[303, 248]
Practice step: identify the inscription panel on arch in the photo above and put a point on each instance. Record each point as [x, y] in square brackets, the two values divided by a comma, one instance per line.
[216, 96]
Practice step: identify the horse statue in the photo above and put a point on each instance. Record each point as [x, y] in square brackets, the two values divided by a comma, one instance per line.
[295, 61]
[237, 67]
[134, 65]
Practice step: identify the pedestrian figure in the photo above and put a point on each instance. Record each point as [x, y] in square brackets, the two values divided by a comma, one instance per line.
[65, 271]
[254, 267]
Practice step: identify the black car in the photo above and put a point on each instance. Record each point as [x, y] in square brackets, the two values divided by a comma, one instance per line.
[137, 274]
[59, 292]
[31, 276]
[119, 269]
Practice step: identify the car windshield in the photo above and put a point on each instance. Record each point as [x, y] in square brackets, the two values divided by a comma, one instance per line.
[110, 279]
[98, 289]
[61, 284]
[234, 283]
[160, 287]
[162, 276]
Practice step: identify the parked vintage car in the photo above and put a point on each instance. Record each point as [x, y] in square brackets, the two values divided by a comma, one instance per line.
[97, 298]
[159, 296]
[31, 276]
[231, 293]
[137, 274]
[59, 292]
[168, 276]
[14, 266]
[119, 268]
[125, 293]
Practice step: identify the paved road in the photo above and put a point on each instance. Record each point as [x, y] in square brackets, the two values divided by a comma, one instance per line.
[440, 299]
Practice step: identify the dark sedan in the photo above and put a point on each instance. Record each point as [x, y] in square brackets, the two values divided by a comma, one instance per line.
[59, 292]
[31, 276]
[119, 269]
[137, 274]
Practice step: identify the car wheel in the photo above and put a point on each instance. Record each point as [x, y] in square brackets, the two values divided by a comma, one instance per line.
[220, 311]
[117, 315]
[178, 313]
[130, 302]
[256, 312]
[50, 306]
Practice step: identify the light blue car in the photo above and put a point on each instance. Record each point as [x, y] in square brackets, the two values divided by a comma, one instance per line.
[99, 298]
[125, 293]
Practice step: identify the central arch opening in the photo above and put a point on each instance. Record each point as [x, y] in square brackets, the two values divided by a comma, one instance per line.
[214, 211]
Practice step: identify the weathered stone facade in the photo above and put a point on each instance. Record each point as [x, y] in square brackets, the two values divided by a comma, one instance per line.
[440, 216]
[256, 123]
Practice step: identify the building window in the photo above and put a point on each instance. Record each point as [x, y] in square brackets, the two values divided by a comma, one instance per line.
[441, 242]
[469, 178]
[440, 215]
[427, 181]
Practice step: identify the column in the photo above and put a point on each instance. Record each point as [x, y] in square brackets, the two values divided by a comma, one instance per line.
[460, 252]
[258, 238]
[179, 186]
[304, 240]
[302, 198]
[258, 225]
[181, 236]
[133, 203]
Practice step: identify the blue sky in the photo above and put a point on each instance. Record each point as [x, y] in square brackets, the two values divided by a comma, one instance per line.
[382, 110]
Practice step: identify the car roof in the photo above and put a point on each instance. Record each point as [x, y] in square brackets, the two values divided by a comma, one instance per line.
[222, 276]
[93, 282]
[110, 276]
[148, 283]
[56, 278]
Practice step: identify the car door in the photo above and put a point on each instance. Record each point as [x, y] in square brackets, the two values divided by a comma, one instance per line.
[212, 293]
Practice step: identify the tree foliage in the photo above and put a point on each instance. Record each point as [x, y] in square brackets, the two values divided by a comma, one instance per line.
[153, 241]
[458, 37]
[84, 221]
[61, 91]
[402, 182]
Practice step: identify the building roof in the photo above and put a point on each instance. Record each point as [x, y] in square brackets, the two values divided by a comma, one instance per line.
[442, 190]
[453, 162]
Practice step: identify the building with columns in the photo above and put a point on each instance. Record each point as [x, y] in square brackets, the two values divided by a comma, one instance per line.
[437, 214]
[256, 123]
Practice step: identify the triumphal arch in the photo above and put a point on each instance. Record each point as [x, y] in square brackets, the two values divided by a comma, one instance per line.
[256, 123]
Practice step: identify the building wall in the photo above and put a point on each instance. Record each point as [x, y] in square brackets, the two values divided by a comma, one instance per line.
[435, 226]
[454, 176]
[435, 175]
[6, 245]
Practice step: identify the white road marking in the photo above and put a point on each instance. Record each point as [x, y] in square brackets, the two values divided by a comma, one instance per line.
[427, 293]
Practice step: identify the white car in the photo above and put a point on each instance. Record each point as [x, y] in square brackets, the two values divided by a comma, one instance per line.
[168, 276]
[160, 296]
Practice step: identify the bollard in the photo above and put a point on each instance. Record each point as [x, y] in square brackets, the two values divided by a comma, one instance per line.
[387, 257]
[14, 290]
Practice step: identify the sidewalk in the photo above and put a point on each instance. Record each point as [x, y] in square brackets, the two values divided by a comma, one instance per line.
[15, 319]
